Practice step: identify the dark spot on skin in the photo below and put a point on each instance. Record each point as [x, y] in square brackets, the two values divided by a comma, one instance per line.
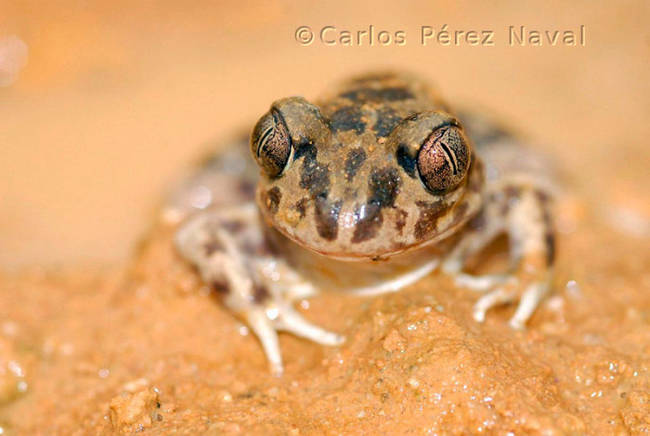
[260, 293]
[257, 249]
[348, 118]
[220, 287]
[233, 226]
[305, 148]
[350, 192]
[314, 176]
[511, 196]
[429, 214]
[374, 77]
[248, 248]
[363, 95]
[247, 189]
[387, 119]
[400, 220]
[394, 94]
[272, 199]
[512, 192]
[405, 160]
[478, 222]
[301, 207]
[353, 162]
[549, 239]
[542, 196]
[384, 186]
[327, 217]
[369, 220]
[211, 247]
[549, 235]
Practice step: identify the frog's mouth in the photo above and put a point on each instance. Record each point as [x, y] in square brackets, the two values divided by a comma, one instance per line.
[426, 226]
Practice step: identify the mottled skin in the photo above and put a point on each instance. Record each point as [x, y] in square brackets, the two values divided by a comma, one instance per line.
[366, 191]
[352, 190]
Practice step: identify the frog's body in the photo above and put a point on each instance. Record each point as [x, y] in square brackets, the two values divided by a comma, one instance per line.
[367, 191]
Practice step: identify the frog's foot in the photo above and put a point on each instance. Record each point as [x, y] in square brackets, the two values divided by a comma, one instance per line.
[523, 213]
[265, 322]
[511, 292]
[504, 289]
[230, 252]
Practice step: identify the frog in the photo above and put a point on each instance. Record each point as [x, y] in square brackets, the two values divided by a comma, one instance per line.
[366, 191]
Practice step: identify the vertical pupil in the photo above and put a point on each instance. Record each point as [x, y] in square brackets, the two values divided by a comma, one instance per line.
[451, 156]
[264, 138]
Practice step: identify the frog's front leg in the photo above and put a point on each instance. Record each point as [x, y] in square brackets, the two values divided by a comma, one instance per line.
[523, 212]
[229, 250]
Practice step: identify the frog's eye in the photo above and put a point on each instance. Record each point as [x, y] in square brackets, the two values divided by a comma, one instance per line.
[271, 143]
[443, 159]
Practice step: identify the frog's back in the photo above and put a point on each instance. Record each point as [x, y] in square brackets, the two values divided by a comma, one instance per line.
[373, 104]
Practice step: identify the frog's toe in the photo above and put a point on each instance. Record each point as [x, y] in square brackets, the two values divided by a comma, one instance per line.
[528, 303]
[291, 321]
[492, 299]
[265, 322]
[263, 328]
[480, 283]
[509, 293]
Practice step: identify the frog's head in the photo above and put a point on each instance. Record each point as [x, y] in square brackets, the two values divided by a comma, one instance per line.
[340, 188]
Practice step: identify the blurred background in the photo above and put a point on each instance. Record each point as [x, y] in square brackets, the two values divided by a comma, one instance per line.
[104, 103]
